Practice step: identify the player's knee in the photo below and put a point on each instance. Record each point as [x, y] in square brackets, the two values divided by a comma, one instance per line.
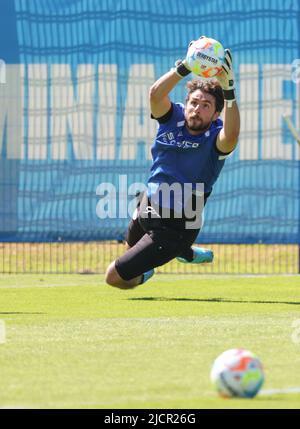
[110, 275]
[112, 278]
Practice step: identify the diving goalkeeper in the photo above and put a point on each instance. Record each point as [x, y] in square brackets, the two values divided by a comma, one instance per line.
[191, 147]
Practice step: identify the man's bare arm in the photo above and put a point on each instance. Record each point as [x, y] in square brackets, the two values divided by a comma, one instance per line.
[228, 136]
[159, 93]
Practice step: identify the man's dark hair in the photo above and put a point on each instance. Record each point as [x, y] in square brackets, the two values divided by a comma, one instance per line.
[211, 87]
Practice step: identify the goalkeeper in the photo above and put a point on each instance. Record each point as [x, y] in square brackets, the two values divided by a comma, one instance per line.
[191, 146]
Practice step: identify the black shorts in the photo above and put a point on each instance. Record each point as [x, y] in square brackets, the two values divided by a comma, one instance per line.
[153, 242]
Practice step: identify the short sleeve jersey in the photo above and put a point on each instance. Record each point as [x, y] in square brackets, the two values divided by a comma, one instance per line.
[180, 157]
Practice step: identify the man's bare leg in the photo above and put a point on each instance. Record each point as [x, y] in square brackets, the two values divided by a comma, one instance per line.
[113, 279]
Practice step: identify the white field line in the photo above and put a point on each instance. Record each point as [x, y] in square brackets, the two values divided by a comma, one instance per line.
[15, 407]
[279, 391]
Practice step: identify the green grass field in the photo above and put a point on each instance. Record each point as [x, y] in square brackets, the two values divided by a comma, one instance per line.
[73, 342]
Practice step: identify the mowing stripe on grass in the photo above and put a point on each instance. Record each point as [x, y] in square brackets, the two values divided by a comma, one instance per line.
[2, 332]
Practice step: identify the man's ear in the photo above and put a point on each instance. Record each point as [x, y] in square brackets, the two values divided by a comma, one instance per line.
[216, 115]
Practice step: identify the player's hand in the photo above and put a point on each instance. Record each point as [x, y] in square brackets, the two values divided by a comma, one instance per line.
[187, 59]
[226, 77]
[183, 67]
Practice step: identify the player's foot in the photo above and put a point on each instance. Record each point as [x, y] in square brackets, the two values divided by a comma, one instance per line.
[201, 255]
[146, 276]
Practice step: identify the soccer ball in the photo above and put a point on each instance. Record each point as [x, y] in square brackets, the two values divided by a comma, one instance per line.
[237, 373]
[205, 57]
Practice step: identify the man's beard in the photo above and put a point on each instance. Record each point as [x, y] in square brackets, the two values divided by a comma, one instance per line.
[198, 125]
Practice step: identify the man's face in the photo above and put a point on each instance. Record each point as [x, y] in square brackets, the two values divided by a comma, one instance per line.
[200, 111]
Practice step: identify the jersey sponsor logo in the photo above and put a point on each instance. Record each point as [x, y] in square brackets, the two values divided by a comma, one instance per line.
[170, 139]
[186, 144]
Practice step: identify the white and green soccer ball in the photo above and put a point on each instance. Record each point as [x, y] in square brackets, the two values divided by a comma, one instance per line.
[205, 57]
[237, 373]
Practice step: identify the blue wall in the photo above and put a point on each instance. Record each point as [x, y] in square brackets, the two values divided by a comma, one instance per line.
[44, 198]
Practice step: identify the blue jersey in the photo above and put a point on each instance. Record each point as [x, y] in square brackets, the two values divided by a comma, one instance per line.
[179, 157]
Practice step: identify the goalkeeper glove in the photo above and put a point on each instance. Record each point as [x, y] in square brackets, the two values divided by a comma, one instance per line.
[183, 68]
[226, 78]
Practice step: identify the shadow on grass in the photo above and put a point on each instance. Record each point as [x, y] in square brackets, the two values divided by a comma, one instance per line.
[17, 312]
[211, 300]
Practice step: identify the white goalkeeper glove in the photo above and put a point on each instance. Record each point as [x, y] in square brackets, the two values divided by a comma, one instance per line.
[226, 78]
[182, 67]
